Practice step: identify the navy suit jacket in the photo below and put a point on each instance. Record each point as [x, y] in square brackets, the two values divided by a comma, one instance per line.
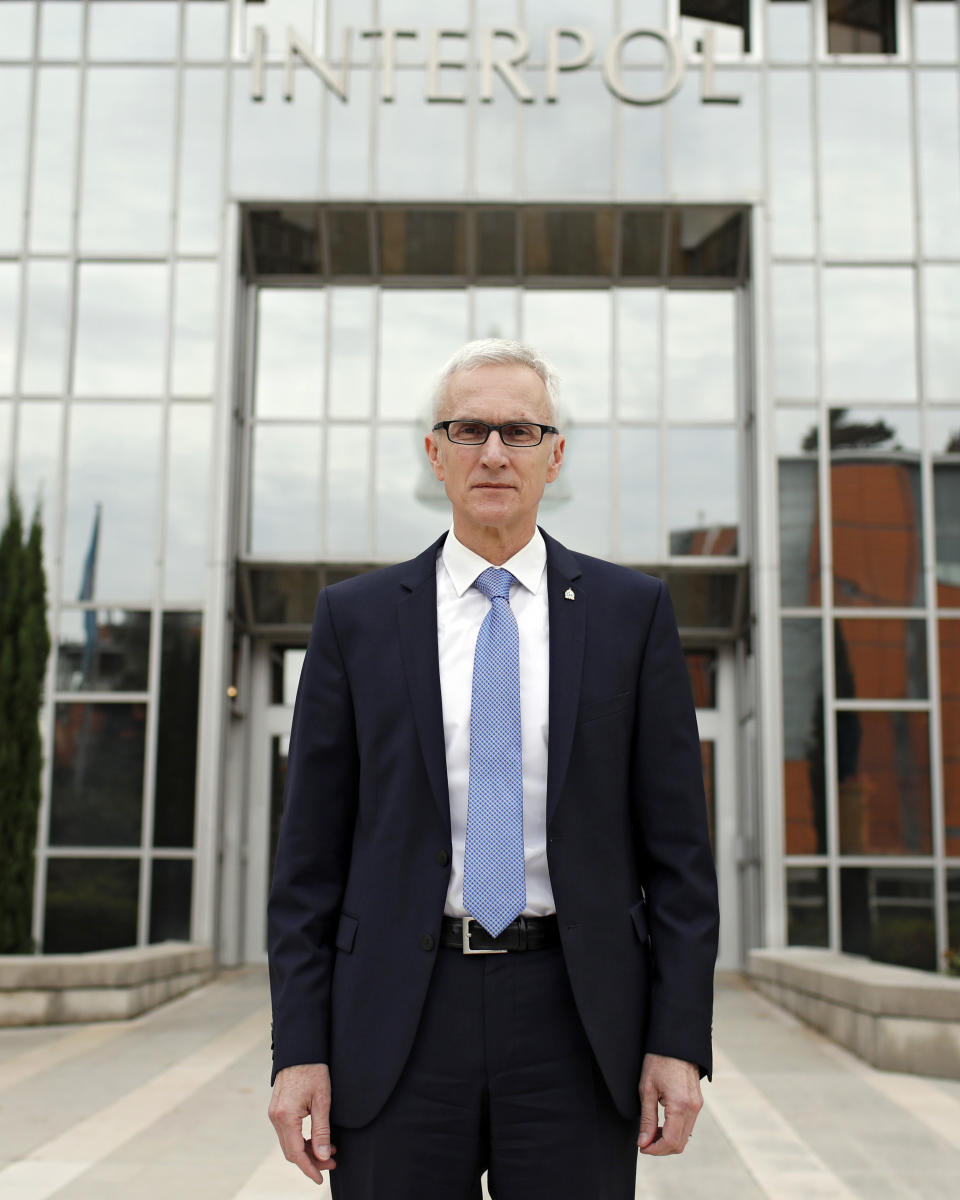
[363, 859]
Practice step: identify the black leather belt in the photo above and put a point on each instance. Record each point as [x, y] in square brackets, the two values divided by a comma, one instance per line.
[525, 933]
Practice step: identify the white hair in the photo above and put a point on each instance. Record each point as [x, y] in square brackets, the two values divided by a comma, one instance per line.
[497, 352]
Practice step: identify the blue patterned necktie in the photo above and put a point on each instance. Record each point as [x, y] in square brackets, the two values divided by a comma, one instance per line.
[494, 887]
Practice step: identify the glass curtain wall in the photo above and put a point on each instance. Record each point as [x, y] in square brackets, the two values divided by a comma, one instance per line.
[113, 126]
[867, 421]
[341, 397]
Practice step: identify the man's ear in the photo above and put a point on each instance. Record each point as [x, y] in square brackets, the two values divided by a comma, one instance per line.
[556, 458]
[432, 446]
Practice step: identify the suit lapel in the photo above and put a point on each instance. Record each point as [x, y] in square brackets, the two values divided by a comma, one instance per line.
[417, 617]
[568, 621]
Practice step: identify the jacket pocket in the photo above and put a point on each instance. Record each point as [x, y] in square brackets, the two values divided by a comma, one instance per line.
[638, 914]
[346, 933]
[593, 710]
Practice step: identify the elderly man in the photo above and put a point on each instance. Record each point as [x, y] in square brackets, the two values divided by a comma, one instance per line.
[493, 922]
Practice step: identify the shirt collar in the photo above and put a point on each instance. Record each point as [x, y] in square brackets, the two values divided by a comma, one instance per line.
[463, 565]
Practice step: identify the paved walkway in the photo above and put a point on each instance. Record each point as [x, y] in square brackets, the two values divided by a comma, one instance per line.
[173, 1105]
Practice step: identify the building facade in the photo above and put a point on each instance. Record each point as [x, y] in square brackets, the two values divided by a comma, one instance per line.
[238, 239]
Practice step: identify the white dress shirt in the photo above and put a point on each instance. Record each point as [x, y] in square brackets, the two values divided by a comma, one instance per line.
[461, 609]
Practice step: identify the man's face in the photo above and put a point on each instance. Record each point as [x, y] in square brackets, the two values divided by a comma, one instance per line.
[495, 485]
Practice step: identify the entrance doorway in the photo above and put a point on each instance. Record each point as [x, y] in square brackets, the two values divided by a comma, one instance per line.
[275, 673]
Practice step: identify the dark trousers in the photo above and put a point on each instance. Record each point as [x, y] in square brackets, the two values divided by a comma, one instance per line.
[501, 1078]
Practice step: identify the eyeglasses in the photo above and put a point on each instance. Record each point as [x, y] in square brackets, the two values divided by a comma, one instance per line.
[514, 433]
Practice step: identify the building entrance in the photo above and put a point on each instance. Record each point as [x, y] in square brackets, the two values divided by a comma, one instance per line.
[275, 672]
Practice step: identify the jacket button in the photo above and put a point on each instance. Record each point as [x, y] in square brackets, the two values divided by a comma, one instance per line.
[443, 858]
[427, 942]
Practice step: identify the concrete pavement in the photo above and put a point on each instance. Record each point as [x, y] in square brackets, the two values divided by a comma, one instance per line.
[173, 1103]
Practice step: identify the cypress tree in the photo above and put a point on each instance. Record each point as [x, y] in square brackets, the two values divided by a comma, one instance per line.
[24, 647]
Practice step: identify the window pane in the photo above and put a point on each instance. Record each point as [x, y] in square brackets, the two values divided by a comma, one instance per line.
[120, 329]
[883, 769]
[568, 242]
[194, 332]
[419, 331]
[291, 335]
[205, 34]
[91, 904]
[642, 242]
[573, 331]
[807, 913]
[97, 795]
[877, 508]
[799, 506]
[496, 242]
[702, 669]
[55, 148]
[348, 492]
[422, 147]
[855, 27]
[701, 374]
[422, 242]
[949, 631]
[788, 32]
[794, 332]
[201, 161]
[946, 504]
[411, 509]
[705, 241]
[880, 659]
[14, 126]
[348, 236]
[640, 537]
[887, 914]
[495, 312]
[865, 151]
[869, 333]
[176, 769]
[131, 30]
[638, 352]
[934, 32]
[938, 125]
[103, 650]
[39, 468]
[941, 321]
[9, 320]
[953, 915]
[112, 476]
[128, 160]
[61, 29]
[170, 900]
[703, 485]
[188, 478]
[584, 520]
[285, 492]
[352, 351]
[791, 160]
[48, 327]
[804, 774]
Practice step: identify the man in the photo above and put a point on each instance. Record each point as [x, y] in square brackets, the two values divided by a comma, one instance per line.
[493, 922]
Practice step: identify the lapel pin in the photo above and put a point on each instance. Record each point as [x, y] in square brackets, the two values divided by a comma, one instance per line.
[568, 594]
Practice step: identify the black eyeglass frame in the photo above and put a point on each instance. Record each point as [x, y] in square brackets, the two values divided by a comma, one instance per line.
[544, 429]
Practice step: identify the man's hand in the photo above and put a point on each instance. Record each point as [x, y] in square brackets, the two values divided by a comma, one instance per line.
[676, 1085]
[300, 1092]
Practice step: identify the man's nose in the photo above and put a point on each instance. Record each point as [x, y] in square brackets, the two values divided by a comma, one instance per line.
[494, 451]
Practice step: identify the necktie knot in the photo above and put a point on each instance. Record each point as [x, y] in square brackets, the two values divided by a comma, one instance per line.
[495, 583]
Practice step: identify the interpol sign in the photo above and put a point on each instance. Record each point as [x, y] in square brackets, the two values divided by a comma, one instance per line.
[502, 53]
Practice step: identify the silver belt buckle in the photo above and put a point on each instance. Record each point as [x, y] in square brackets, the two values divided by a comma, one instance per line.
[465, 938]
